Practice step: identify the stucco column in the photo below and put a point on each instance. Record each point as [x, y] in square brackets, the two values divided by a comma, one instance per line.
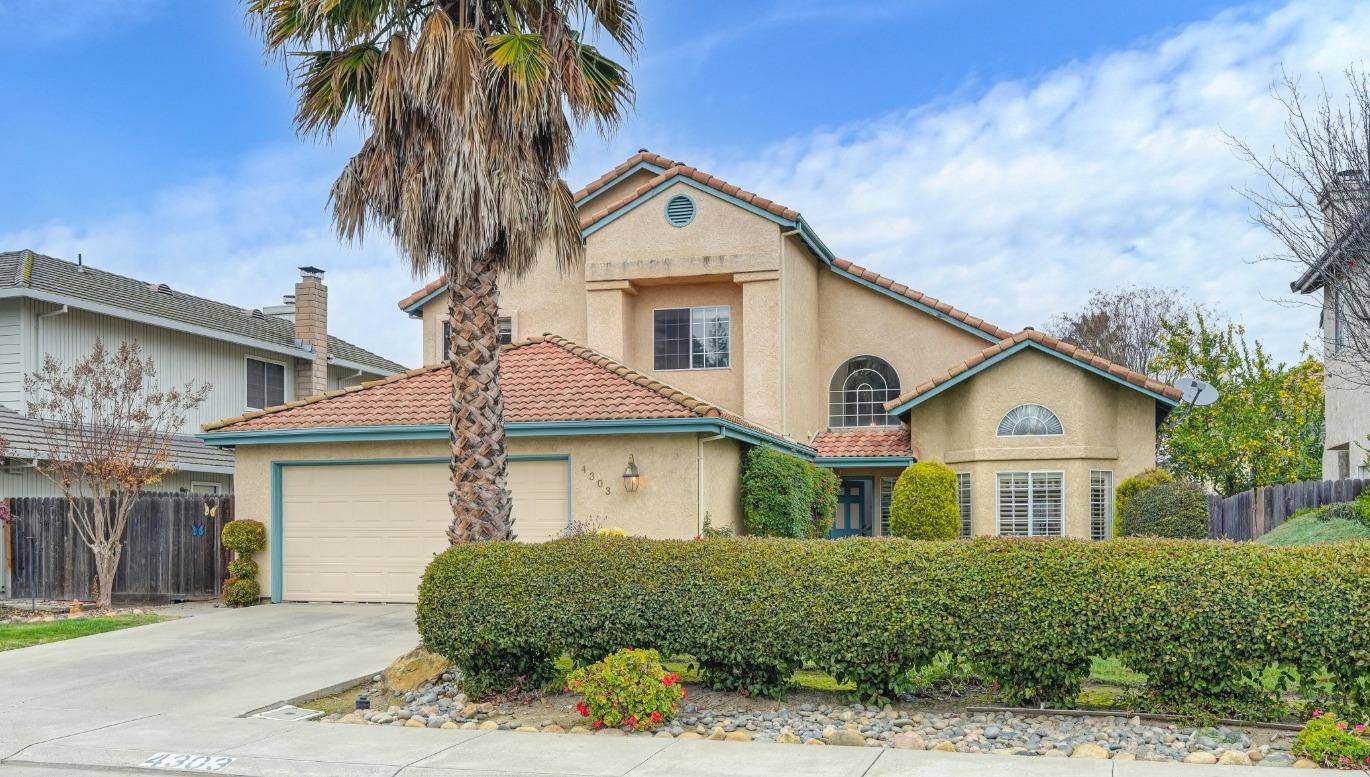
[762, 370]
[608, 310]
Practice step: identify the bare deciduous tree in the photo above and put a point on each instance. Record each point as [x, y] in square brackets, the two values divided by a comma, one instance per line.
[107, 429]
[1314, 199]
[1124, 326]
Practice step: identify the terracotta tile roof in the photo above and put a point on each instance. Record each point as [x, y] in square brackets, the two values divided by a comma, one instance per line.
[428, 288]
[878, 441]
[546, 378]
[920, 297]
[642, 155]
[1060, 346]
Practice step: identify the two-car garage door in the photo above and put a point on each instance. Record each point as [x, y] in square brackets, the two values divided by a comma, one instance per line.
[365, 532]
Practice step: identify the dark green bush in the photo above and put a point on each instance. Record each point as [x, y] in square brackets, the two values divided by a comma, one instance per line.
[1133, 486]
[785, 496]
[1198, 618]
[242, 592]
[243, 568]
[924, 503]
[1177, 510]
[1357, 510]
[244, 536]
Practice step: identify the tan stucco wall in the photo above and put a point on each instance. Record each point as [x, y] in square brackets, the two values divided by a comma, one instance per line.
[666, 505]
[720, 386]
[1347, 409]
[805, 390]
[1107, 427]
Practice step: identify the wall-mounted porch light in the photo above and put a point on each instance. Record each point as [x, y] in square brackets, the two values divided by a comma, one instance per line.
[630, 476]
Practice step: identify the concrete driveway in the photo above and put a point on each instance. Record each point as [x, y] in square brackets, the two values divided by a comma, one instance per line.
[215, 662]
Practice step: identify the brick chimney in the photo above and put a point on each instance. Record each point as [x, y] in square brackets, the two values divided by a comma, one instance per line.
[311, 331]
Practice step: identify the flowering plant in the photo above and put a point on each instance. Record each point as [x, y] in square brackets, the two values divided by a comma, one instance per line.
[1334, 742]
[629, 688]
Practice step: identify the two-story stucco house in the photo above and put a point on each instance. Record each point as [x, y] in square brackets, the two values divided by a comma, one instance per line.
[252, 358]
[705, 319]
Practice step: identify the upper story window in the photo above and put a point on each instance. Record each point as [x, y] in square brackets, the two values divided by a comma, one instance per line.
[506, 335]
[265, 384]
[859, 390]
[692, 338]
[1030, 420]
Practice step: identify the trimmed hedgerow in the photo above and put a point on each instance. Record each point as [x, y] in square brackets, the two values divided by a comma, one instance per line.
[1133, 486]
[924, 503]
[1200, 619]
[1177, 510]
[824, 485]
[785, 496]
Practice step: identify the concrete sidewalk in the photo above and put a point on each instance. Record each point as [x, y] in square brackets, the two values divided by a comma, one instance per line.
[261, 748]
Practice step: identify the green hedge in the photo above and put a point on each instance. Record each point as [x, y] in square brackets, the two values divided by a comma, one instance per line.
[785, 496]
[924, 503]
[1198, 618]
[1177, 510]
[1133, 486]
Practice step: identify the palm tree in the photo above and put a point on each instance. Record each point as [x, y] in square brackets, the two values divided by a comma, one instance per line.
[469, 109]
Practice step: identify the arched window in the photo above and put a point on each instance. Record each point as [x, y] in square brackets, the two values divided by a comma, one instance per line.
[1028, 420]
[859, 390]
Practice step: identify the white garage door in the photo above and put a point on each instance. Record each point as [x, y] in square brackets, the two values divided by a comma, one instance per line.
[365, 532]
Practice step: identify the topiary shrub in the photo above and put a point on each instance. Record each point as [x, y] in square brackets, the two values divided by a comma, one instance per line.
[1132, 487]
[628, 689]
[924, 503]
[244, 536]
[1177, 510]
[824, 486]
[242, 592]
[1199, 619]
[242, 568]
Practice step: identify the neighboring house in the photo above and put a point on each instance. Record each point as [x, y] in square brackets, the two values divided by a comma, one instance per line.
[705, 320]
[1346, 220]
[253, 358]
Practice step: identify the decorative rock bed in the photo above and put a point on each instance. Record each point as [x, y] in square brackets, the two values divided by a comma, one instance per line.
[442, 705]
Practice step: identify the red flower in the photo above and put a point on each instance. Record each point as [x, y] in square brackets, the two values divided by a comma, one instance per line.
[583, 709]
[1360, 728]
[656, 717]
[632, 721]
[670, 679]
[1341, 725]
[683, 693]
[599, 724]
[1317, 713]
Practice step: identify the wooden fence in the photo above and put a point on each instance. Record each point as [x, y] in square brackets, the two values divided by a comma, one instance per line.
[171, 550]
[1250, 514]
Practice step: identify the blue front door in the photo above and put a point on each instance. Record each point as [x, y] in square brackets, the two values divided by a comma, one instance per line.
[850, 520]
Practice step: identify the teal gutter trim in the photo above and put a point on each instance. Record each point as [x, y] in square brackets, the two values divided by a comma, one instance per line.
[934, 312]
[417, 306]
[904, 407]
[850, 462]
[653, 168]
[275, 543]
[709, 425]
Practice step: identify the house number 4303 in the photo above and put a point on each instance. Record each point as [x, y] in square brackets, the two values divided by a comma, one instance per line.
[598, 481]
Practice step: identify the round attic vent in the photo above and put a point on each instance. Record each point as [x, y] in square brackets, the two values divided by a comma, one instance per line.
[680, 210]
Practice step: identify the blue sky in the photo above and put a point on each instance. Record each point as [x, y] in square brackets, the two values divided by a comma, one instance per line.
[1005, 156]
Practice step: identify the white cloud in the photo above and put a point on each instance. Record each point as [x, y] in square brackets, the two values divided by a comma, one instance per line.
[1113, 170]
[34, 21]
[1011, 203]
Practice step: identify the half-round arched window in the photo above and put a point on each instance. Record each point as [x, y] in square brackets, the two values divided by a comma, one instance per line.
[1029, 420]
[858, 393]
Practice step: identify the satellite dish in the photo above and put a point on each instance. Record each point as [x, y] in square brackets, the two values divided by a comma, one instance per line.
[1197, 393]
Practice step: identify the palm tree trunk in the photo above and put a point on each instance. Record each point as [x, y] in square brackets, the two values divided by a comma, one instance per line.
[480, 501]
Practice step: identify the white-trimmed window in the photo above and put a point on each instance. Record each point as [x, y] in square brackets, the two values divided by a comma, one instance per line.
[1030, 420]
[963, 501]
[1100, 504]
[692, 338]
[1031, 504]
[886, 499]
[858, 392]
[265, 384]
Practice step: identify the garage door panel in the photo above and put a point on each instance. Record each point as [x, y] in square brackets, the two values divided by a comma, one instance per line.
[365, 532]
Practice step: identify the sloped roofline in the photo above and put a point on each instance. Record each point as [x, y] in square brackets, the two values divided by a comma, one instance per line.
[1168, 396]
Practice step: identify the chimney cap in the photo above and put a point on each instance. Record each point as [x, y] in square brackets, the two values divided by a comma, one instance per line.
[310, 271]
[287, 299]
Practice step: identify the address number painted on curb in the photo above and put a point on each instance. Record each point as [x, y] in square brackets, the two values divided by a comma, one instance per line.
[186, 762]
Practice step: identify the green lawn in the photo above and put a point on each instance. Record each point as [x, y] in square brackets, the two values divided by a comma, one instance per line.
[1311, 529]
[19, 635]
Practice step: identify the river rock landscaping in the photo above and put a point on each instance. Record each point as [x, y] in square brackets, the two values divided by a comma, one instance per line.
[813, 718]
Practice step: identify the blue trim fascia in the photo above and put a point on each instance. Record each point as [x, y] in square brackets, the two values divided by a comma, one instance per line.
[417, 305]
[852, 462]
[618, 179]
[993, 360]
[721, 426]
[688, 181]
[934, 312]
